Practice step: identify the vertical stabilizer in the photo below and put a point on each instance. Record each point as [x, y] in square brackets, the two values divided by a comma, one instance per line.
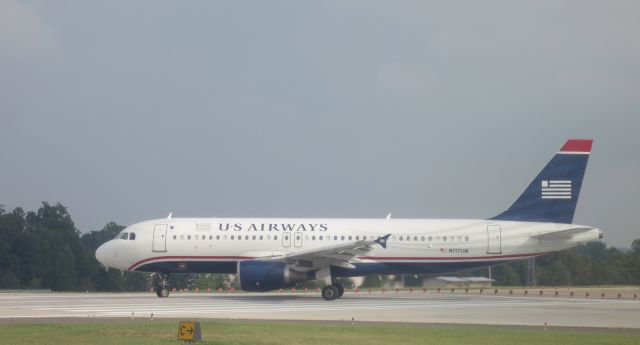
[552, 196]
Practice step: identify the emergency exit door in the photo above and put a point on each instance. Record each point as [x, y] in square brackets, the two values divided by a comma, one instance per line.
[286, 240]
[297, 239]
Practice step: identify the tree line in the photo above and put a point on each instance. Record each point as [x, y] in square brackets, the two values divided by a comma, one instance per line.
[43, 250]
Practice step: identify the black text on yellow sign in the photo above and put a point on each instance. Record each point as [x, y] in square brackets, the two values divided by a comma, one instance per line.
[189, 330]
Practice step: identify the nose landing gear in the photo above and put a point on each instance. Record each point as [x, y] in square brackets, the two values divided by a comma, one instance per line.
[162, 288]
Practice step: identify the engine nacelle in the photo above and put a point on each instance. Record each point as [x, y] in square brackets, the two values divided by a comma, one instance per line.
[259, 276]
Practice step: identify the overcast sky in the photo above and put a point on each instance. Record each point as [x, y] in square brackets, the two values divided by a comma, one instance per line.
[128, 110]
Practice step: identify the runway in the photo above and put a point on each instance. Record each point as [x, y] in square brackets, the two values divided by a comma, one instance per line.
[419, 308]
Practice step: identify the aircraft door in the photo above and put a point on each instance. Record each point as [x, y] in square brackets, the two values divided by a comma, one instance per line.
[159, 238]
[297, 239]
[286, 240]
[494, 239]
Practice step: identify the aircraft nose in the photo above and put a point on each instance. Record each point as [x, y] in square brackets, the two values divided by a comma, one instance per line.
[102, 253]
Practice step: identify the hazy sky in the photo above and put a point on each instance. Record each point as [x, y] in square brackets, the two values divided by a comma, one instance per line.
[128, 110]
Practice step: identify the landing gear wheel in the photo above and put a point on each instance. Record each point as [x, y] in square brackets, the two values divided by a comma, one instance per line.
[162, 291]
[340, 289]
[330, 292]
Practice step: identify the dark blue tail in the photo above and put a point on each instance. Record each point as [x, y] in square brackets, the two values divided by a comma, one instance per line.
[552, 196]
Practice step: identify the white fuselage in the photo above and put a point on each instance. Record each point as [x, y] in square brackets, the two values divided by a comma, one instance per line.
[216, 245]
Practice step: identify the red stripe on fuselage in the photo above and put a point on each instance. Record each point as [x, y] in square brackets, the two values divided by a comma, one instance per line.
[432, 258]
[375, 258]
[189, 257]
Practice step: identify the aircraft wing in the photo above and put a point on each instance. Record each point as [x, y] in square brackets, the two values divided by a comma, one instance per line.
[562, 234]
[341, 255]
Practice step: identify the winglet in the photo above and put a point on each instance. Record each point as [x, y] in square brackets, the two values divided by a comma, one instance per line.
[383, 240]
[388, 216]
[170, 215]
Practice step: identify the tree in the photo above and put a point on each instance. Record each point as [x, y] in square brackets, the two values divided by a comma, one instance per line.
[212, 281]
[8, 280]
[62, 275]
[94, 239]
[635, 247]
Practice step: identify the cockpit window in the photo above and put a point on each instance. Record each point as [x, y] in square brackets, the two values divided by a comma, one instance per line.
[124, 236]
[132, 236]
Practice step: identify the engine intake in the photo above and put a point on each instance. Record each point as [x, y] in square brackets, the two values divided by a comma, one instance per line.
[259, 276]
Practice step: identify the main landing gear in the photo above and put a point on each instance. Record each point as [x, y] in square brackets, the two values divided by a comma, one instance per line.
[162, 289]
[333, 291]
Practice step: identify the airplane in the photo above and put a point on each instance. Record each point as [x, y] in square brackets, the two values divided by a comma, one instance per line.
[274, 253]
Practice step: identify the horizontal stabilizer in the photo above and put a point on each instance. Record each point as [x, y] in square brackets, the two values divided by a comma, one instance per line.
[556, 235]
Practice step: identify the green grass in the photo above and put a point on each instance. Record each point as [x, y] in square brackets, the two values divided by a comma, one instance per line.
[250, 333]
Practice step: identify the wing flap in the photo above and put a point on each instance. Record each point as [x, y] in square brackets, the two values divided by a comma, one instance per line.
[340, 255]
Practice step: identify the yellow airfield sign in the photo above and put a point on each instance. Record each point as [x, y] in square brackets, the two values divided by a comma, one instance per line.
[189, 331]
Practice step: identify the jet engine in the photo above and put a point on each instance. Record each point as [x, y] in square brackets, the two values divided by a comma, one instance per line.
[259, 276]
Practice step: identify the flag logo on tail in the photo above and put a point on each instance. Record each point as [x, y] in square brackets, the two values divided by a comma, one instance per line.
[558, 189]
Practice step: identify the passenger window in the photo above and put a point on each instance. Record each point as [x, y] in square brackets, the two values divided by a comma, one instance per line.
[422, 238]
[175, 236]
[210, 237]
[342, 238]
[408, 238]
[217, 237]
[233, 238]
[466, 238]
[189, 237]
[357, 238]
[182, 237]
[320, 237]
[349, 238]
[415, 238]
[204, 237]
[313, 238]
[132, 236]
[400, 238]
[275, 237]
[253, 237]
[124, 236]
[459, 239]
[444, 238]
[430, 238]
[335, 238]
